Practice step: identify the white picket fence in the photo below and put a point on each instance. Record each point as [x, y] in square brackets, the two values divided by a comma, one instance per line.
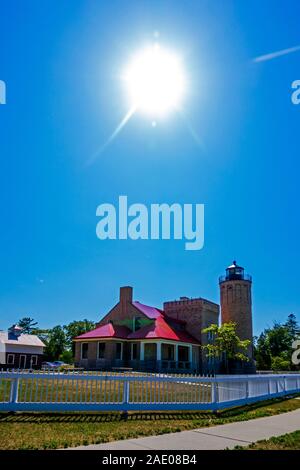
[54, 391]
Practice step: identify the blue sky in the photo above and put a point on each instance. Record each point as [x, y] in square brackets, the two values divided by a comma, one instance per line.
[61, 61]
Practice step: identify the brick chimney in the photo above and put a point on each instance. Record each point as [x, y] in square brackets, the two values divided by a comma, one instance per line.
[125, 298]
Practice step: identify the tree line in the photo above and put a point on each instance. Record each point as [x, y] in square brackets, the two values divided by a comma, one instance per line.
[273, 347]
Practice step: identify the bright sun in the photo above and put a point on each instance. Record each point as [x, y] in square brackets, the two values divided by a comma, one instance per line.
[155, 81]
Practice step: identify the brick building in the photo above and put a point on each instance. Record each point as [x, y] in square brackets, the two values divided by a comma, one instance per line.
[148, 338]
[143, 337]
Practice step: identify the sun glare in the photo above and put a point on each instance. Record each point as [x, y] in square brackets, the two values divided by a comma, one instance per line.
[155, 81]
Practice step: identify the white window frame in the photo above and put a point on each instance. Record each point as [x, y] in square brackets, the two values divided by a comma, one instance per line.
[33, 363]
[83, 358]
[13, 361]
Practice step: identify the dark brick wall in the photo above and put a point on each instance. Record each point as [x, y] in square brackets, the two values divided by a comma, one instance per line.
[197, 313]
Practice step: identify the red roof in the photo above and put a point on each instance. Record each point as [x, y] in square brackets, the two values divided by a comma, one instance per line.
[106, 331]
[150, 312]
[161, 330]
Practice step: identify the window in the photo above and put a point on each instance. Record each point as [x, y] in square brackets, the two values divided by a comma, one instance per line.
[84, 350]
[101, 350]
[134, 351]
[33, 360]
[167, 351]
[118, 350]
[10, 359]
[137, 324]
[183, 353]
[210, 336]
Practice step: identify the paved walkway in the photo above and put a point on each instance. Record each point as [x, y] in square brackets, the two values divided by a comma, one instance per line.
[223, 436]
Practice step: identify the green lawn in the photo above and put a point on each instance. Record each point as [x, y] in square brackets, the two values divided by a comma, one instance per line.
[285, 442]
[59, 430]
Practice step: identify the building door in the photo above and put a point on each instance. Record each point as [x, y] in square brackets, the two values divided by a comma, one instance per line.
[22, 361]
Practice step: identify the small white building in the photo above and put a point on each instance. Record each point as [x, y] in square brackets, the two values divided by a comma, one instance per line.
[20, 351]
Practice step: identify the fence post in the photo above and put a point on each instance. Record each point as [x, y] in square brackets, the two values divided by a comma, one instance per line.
[126, 392]
[214, 394]
[14, 391]
[284, 385]
[247, 390]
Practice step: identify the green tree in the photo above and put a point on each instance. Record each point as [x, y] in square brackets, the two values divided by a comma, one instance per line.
[273, 347]
[292, 326]
[56, 343]
[76, 328]
[262, 352]
[66, 356]
[42, 334]
[226, 343]
[28, 324]
[279, 340]
[280, 363]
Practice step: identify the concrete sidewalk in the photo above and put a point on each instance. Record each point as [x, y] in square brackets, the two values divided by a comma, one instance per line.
[224, 436]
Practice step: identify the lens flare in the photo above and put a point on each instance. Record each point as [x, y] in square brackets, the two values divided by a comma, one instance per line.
[155, 81]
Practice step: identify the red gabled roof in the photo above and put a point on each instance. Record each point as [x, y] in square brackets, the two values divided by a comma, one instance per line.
[150, 312]
[106, 331]
[153, 312]
[161, 330]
